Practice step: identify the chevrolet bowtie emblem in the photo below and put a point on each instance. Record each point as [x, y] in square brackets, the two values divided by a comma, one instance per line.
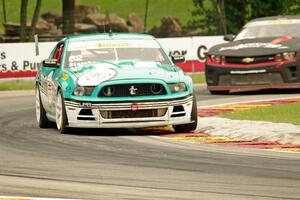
[248, 60]
[132, 90]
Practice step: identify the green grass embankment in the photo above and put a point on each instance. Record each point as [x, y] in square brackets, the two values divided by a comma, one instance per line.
[283, 113]
[17, 85]
[157, 9]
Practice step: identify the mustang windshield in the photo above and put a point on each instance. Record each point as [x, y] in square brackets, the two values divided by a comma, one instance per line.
[271, 28]
[89, 52]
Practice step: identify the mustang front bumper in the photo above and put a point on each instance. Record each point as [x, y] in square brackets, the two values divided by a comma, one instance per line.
[129, 114]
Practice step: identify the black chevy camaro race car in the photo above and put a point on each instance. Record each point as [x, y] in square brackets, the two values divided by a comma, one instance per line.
[264, 55]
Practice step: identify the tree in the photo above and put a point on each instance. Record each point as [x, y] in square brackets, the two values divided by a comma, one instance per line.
[23, 20]
[222, 17]
[209, 17]
[24, 32]
[219, 16]
[146, 15]
[68, 16]
[35, 19]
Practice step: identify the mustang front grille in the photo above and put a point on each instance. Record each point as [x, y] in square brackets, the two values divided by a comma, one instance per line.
[127, 90]
[116, 114]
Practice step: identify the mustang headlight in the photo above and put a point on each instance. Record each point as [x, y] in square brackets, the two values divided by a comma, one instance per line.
[285, 56]
[80, 91]
[177, 87]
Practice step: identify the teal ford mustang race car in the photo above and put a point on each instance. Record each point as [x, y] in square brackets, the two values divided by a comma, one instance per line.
[113, 81]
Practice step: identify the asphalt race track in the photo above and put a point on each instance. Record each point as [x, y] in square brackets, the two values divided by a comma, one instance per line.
[129, 164]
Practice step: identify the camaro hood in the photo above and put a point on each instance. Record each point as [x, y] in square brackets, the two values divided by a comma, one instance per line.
[257, 46]
[95, 74]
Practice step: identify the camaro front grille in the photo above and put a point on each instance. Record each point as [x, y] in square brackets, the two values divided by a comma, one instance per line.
[251, 79]
[249, 60]
[116, 114]
[127, 90]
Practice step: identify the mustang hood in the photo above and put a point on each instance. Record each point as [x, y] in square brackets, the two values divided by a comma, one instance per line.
[95, 74]
[257, 46]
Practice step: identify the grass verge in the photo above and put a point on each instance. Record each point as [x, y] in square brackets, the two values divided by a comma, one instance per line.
[198, 78]
[17, 85]
[284, 113]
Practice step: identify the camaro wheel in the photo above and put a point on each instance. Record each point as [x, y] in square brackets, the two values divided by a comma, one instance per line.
[40, 111]
[191, 126]
[61, 116]
[219, 91]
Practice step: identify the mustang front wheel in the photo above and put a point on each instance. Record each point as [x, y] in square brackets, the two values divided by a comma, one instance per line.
[40, 112]
[191, 126]
[61, 116]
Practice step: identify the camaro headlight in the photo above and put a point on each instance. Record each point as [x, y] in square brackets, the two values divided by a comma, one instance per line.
[217, 58]
[177, 87]
[80, 91]
[285, 56]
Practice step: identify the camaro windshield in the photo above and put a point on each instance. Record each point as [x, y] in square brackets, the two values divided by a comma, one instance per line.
[272, 28]
[89, 52]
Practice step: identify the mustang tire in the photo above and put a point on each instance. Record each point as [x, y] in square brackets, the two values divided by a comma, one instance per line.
[191, 126]
[61, 116]
[40, 111]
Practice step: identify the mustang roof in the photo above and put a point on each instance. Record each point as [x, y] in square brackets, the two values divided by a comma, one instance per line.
[108, 36]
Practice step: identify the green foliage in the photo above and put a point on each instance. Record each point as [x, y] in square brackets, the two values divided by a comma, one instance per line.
[237, 13]
[293, 7]
[157, 9]
[204, 17]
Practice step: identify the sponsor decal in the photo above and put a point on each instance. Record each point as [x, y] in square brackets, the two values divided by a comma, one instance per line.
[65, 77]
[159, 72]
[86, 104]
[134, 107]
[254, 45]
[96, 76]
[84, 45]
[281, 39]
[248, 72]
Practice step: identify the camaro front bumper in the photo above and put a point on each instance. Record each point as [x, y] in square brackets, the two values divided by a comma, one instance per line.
[129, 114]
[258, 76]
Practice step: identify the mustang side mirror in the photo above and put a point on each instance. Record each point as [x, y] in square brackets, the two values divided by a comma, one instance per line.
[177, 58]
[50, 63]
[229, 37]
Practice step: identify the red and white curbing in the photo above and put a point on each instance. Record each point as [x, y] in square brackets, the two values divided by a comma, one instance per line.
[244, 133]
